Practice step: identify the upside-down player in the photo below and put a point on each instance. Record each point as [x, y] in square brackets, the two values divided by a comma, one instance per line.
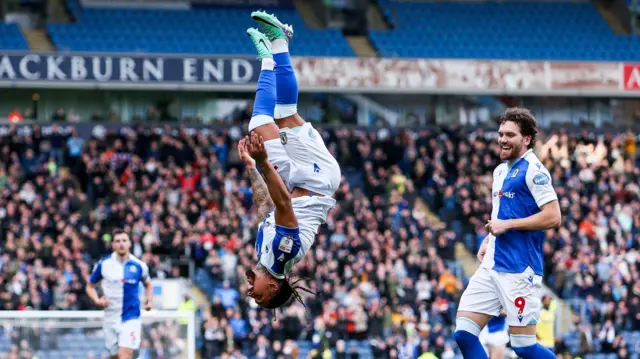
[306, 174]
[121, 274]
[510, 276]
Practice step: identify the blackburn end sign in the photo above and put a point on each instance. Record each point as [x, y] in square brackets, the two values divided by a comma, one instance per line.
[151, 71]
[321, 74]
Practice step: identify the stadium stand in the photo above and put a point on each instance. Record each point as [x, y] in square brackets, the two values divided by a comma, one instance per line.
[210, 31]
[11, 38]
[496, 30]
[376, 245]
[368, 256]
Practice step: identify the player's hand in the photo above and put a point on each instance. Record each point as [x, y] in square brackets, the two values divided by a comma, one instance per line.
[256, 148]
[497, 226]
[147, 305]
[103, 302]
[243, 153]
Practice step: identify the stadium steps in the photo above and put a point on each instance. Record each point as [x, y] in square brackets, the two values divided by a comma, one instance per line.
[199, 297]
[377, 20]
[38, 40]
[467, 259]
[432, 220]
[362, 46]
[616, 14]
[59, 13]
[307, 10]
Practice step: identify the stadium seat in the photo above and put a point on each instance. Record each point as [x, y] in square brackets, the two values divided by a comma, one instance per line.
[11, 38]
[209, 31]
[491, 30]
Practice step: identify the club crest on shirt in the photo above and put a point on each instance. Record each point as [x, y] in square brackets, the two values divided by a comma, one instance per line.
[283, 138]
[515, 173]
[133, 269]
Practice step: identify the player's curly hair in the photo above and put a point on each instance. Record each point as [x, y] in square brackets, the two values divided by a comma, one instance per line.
[287, 293]
[525, 120]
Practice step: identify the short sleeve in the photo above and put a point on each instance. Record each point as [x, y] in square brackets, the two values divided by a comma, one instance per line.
[539, 183]
[285, 247]
[144, 277]
[96, 274]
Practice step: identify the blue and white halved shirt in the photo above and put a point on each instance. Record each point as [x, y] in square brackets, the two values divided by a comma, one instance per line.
[121, 285]
[519, 191]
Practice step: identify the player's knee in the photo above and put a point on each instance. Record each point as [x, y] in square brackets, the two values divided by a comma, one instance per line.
[125, 353]
[113, 351]
[265, 126]
[467, 325]
[287, 114]
[467, 332]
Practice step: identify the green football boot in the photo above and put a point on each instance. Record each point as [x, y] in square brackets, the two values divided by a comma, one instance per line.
[262, 44]
[272, 27]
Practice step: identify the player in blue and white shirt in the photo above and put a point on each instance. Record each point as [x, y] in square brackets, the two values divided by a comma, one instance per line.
[510, 276]
[288, 230]
[121, 274]
[300, 173]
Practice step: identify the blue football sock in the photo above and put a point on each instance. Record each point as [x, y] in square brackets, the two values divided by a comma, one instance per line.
[527, 347]
[265, 100]
[286, 82]
[466, 336]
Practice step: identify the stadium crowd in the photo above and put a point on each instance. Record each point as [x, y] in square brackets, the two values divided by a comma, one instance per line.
[184, 197]
[383, 268]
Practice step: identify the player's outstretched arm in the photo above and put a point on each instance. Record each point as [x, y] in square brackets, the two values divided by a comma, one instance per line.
[277, 190]
[261, 199]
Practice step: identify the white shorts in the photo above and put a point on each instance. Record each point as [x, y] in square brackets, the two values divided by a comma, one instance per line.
[312, 165]
[124, 335]
[489, 292]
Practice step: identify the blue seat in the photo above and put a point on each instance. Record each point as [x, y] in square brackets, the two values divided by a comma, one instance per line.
[11, 38]
[490, 30]
[205, 31]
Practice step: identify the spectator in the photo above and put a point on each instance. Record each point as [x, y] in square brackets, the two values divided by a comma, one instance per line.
[546, 326]
[59, 115]
[228, 296]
